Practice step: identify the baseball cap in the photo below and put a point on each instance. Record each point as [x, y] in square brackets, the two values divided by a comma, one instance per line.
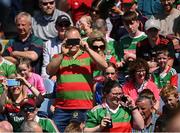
[152, 23]
[78, 117]
[63, 19]
[28, 105]
[128, 1]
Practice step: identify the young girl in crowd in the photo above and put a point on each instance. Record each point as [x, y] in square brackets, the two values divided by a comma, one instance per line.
[24, 69]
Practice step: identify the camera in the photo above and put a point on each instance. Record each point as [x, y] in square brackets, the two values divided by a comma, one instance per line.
[124, 99]
[73, 41]
[12, 82]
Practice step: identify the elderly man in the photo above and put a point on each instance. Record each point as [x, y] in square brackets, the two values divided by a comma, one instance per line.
[74, 68]
[25, 44]
[44, 21]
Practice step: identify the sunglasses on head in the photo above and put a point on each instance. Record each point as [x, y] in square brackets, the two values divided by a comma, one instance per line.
[102, 47]
[29, 109]
[46, 3]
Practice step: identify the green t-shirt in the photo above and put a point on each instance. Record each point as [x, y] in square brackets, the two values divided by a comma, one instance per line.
[127, 44]
[121, 119]
[46, 124]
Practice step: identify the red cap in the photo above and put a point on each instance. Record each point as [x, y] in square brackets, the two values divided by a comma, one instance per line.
[128, 1]
[28, 102]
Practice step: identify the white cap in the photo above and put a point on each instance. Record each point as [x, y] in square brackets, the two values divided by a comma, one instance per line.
[152, 23]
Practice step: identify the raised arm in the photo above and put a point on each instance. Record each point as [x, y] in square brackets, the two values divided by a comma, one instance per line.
[138, 122]
[34, 90]
[53, 66]
[26, 54]
[95, 56]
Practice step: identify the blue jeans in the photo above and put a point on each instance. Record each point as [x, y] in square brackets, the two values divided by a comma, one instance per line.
[62, 117]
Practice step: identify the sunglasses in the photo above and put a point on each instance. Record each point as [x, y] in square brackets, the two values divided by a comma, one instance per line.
[64, 25]
[29, 109]
[112, 73]
[102, 47]
[46, 3]
[73, 42]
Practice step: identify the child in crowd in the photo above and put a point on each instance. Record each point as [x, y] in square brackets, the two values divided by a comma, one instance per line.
[170, 97]
[161, 78]
[24, 69]
[128, 42]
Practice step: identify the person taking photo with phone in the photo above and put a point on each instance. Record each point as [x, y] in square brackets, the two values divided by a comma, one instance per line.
[74, 67]
[14, 94]
[117, 114]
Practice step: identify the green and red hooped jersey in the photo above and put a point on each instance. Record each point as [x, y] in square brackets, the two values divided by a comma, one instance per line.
[121, 119]
[74, 83]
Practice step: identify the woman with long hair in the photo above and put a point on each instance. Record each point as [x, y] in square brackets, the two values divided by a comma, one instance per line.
[13, 95]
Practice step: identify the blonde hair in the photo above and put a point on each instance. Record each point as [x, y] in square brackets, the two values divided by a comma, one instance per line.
[167, 91]
[87, 18]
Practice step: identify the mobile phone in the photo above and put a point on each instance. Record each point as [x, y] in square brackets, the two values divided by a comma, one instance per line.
[12, 82]
[73, 41]
[124, 99]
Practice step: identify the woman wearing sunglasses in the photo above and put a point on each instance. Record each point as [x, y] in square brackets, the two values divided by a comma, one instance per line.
[14, 94]
[97, 42]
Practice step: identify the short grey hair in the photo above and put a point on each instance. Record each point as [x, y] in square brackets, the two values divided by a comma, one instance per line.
[26, 14]
[28, 126]
[100, 24]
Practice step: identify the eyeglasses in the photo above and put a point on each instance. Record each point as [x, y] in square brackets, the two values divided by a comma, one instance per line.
[112, 73]
[46, 3]
[140, 71]
[102, 47]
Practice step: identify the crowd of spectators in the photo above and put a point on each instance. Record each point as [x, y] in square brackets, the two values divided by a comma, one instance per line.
[90, 66]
